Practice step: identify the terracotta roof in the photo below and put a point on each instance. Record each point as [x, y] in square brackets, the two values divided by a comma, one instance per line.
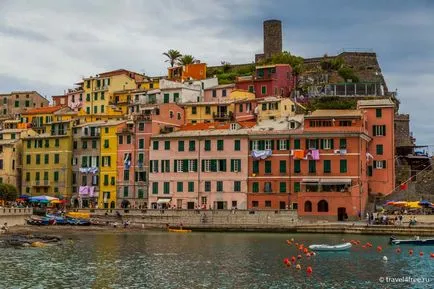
[324, 113]
[221, 86]
[116, 72]
[43, 110]
[216, 125]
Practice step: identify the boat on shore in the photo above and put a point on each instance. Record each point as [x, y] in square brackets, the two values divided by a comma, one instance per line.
[325, 247]
[42, 221]
[415, 241]
[178, 230]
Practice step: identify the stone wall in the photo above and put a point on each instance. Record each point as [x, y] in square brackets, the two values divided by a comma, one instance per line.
[272, 37]
[14, 216]
[402, 130]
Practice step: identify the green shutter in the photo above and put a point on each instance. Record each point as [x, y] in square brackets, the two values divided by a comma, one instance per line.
[179, 187]
[297, 166]
[384, 164]
[191, 187]
[312, 166]
[272, 144]
[296, 144]
[332, 144]
[203, 165]
[185, 166]
[327, 166]
[175, 166]
[296, 187]
[255, 187]
[181, 146]
[282, 166]
[321, 141]
[255, 167]
[237, 145]
[283, 187]
[268, 167]
[192, 146]
[379, 149]
[384, 130]
[207, 145]
[369, 171]
[373, 130]
[232, 165]
[378, 112]
[343, 166]
[342, 143]
[166, 145]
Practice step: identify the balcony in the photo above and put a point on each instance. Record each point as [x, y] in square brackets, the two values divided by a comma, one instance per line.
[92, 134]
[143, 117]
[222, 116]
[41, 183]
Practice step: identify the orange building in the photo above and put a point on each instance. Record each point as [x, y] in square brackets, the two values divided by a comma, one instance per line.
[195, 71]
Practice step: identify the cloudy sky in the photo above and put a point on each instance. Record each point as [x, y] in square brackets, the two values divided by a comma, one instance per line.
[49, 45]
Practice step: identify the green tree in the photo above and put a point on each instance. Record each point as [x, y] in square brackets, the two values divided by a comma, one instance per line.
[186, 59]
[285, 58]
[173, 56]
[8, 192]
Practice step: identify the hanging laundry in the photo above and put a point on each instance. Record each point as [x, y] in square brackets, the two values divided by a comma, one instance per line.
[299, 154]
[91, 191]
[314, 154]
[261, 154]
[369, 156]
[83, 190]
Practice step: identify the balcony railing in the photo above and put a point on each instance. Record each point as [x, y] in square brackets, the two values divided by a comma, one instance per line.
[41, 183]
[223, 115]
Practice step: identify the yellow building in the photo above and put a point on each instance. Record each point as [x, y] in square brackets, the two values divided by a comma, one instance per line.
[99, 90]
[11, 153]
[40, 119]
[149, 83]
[275, 107]
[46, 164]
[109, 159]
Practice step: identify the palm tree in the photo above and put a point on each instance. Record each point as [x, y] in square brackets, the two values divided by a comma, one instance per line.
[173, 56]
[186, 59]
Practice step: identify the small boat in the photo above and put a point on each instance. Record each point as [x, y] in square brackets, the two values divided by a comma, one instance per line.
[324, 247]
[78, 222]
[43, 221]
[415, 241]
[178, 230]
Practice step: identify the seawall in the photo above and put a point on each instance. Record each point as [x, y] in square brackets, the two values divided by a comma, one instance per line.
[14, 216]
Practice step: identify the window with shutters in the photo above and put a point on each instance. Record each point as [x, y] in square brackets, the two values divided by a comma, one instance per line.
[297, 187]
[207, 145]
[297, 166]
[207, 109]
[155, 144]
[327, 144]
[312, 144]
[263, 89]
[237, 145]
[56, 176]
[283, 144]
[312, 166]
[84, 145]
[155, 188]
[106, 180]
[235, 165]
[181, 146]
[38, 159]
[255, 168]
[379, 149]
[128, 139]
[378, 112]
[207, 186]
[267, 145]
[192, 146]
[297, 144]
[166, 188]
[282, 187]
[255, 187]
[190, 187]
[342, 143]
[220, 145]
[380, 164]
[268, 167]
[219, 186]
[166, 145]
[46, 159]
[255, 145]
[194, 110]
[206, 165]
[237, 186]
[282, 166]
[179, 166]
[106, 143]
[267, 187]
[343, 166]
[192, 165]
[126, 175]
[142, 143]
[327, 166]
[369, 171]
[379, 130]
[141, 194]
[179, 187]
[154, 166]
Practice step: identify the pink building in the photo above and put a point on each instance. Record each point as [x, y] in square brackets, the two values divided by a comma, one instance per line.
[218, 93]
[201, 166]
[269, 80]
[73, 98]
[133, 150]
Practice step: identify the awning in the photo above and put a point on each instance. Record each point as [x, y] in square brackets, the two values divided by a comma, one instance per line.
[336, 181]
[310, 180]
[163, 201]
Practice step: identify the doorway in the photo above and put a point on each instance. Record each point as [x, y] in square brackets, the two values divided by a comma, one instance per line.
[282, 205]
[179, 204]
[190, 205]
[342, 212]
[221, 205]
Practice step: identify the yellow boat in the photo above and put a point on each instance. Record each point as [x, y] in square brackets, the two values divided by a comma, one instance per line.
[179, 230]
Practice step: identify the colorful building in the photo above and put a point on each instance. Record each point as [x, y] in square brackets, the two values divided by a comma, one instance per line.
[14, 103]
[272, 107]
[47, 156]
[73, 98]
[40, 119]
[189, 170]
[269, 80]
[194, 71]
[218, 93]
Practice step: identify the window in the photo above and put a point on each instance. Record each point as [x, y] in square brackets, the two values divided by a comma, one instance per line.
[263, 89]
[308, 206]
[128, 139]
[312, 166]
[240, 107]
[282, 166]
[126, 175]
[88, 110]
[255, 168]
[237, 145]
[27, 103]
[219, 186]
[95, 109]
[106, 143]
[102, 98]
[176, 97]
[193, 110]
[56, 176]
[46, 159]
[379, 149]
[178, 115]
[312, 144]
[255, 204]
[166, 187]
[343, 166]
[207, 145]
[207, 109]
[297, 187]
[166, 145]
[342, 143]
[264, 106]
[84, 144]
[297, 166]
[181, 146]
[191, 146]
[125, 191]
[267, 187]
[207, 186]
[379, 130]
[27, 177]
[179, 187]
[141, 126]
[369, 171]
[296, 144]
[141, 194]
[224, 92]
[237, 186]
[94, 144]
[268, 204]
[17, 103]
[166, 98]
[235, 165]
[154, 166]
[380, 164]
[282, 187]
[190, 187]
[121, 139]
[327, 144]
[378, 112]
[251, 88]
[255, 187]
[327, 166]
[214, 93]
[220, 145]
[38, 159]
[38, 176]
[154, 145]
[283, 144]
[154, 188]
[320, 123]
[268, 167]
[45, 176]
[323, 206]
[269, 145]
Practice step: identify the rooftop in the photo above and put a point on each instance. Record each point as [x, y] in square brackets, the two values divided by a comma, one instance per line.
[101, 123]
[216, 125]
[221, 86]
[327, 113]
[385, 102]
[43, 110]
[278, 124]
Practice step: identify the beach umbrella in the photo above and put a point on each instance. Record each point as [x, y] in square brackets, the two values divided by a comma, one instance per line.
[425, 203]
[400, 204]
[413, 205]
[42, 199]
[389, 203]
[58, 202]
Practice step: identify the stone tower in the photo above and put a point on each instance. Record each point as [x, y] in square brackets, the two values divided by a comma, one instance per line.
[272, 37]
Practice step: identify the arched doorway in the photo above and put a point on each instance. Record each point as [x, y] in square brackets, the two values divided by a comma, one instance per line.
[76, 203]
[112, 205]
[308, 206]
[323, 206]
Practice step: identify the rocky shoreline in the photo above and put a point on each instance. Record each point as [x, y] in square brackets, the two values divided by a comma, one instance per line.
[28, 240]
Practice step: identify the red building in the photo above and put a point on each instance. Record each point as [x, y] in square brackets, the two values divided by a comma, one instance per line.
[269, 80]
